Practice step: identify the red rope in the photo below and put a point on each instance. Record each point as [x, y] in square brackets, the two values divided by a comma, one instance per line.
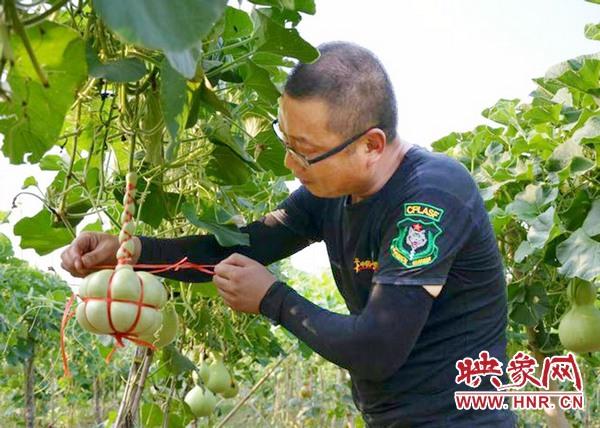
[119, 337]
[158, 268]
[67, 315]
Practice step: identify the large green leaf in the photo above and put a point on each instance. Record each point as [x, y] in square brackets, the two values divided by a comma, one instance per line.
[157, 24]
[37, 232]
[237, 24]
[589, 132]
[119, 70]
[227, 236]
[173, 95]
[582, 75]
[540, 228]
[591, 224]
[32, 120]
[186, 60]
[257, 78]
[529, 203]
[273, 37]
[579, 256]
[569, 155]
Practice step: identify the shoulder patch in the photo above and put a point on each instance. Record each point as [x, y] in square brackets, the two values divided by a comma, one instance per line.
[415, 244]
[418, 209]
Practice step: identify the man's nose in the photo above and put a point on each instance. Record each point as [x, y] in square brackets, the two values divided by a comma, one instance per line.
[292, 163]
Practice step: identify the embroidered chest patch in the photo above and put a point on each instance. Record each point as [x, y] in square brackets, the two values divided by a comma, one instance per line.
[415, 245]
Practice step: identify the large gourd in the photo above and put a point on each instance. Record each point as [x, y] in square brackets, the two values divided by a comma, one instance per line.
[579, 329]
[122, 302]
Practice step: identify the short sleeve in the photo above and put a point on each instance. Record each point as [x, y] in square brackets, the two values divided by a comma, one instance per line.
[421, 238]
[302, 212]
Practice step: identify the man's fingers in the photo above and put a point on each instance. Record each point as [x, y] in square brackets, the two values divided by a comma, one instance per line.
[226, 270]
[237, 259]
[222, 283]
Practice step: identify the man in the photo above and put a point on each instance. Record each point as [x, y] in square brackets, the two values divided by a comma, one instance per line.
[410, 244]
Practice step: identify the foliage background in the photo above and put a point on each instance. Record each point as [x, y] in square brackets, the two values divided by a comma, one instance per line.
[190, 112]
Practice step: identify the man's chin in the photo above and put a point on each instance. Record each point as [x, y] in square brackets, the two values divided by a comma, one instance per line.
[319, 192]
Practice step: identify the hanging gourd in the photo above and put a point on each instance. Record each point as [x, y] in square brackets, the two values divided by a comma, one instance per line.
[123, 303]
[579, 328]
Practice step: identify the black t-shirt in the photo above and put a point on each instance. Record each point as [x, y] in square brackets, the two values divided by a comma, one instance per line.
[426, 226]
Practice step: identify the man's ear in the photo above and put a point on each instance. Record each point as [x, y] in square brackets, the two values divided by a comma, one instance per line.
[376, 141]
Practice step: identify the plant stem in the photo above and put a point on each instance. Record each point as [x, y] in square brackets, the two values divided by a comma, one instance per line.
[252, 391]
[20, 30]
[39, 18]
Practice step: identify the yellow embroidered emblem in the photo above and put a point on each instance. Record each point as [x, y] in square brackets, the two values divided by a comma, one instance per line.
[360, 265]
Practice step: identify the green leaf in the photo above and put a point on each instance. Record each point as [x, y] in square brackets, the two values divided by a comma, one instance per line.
[226, 236]
[157, 24]
[185, 61]
[118, 71]
[53, 163]
[258, 79]
[31, 121]
[225, 167]
[579, 256]
[540, 228]
[525, 249]
[529, 203]
[37, 232]
[591, 224]
[446, 142]
[237, 24]
[272, 37]
[533, 307]
[154, 203]
[6, 250]
[93, 227]
[582, 75]
[4, 216]
[152, 416]
[29, 181]
[589, 133]
[175, 361]
[580, 205]
[219, 133]
[205, 97]
[569, 154]
[503, 112]
[592, 31]
[271, 153]
[173, 95]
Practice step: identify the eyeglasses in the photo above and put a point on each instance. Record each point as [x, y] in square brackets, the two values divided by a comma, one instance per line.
[303, 160]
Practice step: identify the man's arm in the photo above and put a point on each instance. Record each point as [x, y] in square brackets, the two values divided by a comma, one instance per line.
[270, 240]
[372, 345]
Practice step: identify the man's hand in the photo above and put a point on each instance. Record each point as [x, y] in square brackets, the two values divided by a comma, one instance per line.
[91, 249]
[242, 282]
